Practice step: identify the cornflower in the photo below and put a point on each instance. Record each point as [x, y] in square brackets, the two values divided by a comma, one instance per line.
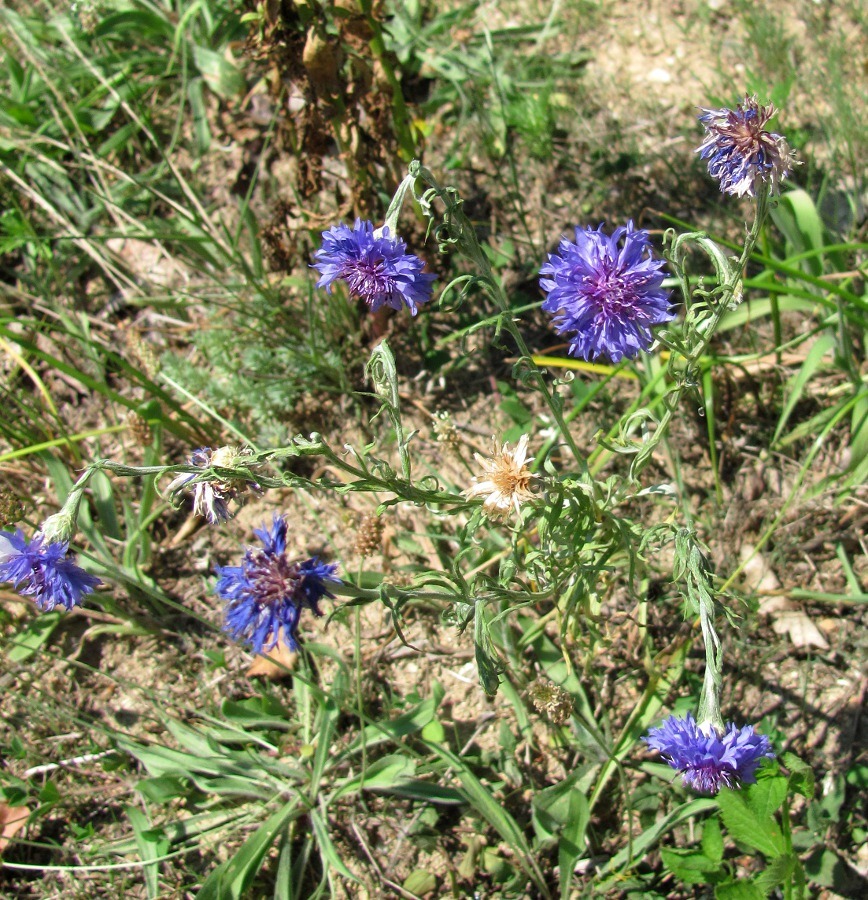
[40, 568]
[707, 758]
[607, 294]
[266, 593]
[740, 152]
[211, 498]
[506, 481]
[374, 265]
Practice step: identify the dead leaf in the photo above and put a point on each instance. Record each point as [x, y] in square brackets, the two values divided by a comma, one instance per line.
[276, 664]
[12, 820]
[787, 618]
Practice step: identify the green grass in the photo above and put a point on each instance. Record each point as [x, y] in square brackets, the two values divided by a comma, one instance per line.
[166, 169]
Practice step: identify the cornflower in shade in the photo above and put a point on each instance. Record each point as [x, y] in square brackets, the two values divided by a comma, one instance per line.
[606, 292]
[40, 568]
[506, 481]
[211, 498]
[267, 592]
[375, 266]
[740, 152]
[708, 759]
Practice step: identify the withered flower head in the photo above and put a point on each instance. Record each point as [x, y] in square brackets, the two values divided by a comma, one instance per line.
[551, 699]
[506, 481]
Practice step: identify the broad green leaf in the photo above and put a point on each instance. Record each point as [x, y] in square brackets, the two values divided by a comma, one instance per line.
[766, 796]
[712, 840]
[777, 872]
[738, 890]
[690, 866]
[746, 827]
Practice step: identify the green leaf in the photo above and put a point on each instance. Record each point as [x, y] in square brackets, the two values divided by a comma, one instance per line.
[572, 844]
[163, 788]
[221, 75]
[746, 827]
[152, 845]
[486, 657]
[230, 880]
[493, 811]
[824, 345]
[801, 775]
[420, 882]
[738, 890]
[712, 840]
[690, 866]
[385, 774]
[766, 796]
[778, 871]
[34, 635]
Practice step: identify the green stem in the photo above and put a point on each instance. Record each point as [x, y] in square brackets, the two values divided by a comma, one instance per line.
[460, 231]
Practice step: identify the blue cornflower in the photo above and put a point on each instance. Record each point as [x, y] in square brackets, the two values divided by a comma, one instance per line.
[374, 265]
[707, 759]
[740, 152]
[609, 295]
[267, 592]
[40, 569]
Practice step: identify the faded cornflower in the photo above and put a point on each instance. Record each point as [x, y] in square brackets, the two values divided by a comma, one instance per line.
[708, 758]
[39, 568]
[374, 265]
[551, 699]
[605, 292]
[740, 152]
[211, 498]
[506, 481]
[266, 593]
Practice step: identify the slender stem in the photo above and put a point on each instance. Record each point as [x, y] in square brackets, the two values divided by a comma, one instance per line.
[691, 357]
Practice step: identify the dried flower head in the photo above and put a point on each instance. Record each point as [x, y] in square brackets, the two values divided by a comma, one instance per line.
[608, 295]
[374, 266]
[708, 759]
[41, 569]
[369, 537]
[445, 430]
[211, 498]
[266, 593]
[551, 699]
[139, 428]
[507, 479]
[740, 152]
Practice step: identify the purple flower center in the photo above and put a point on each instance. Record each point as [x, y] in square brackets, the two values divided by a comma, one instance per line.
[271, 577]
[368, 277]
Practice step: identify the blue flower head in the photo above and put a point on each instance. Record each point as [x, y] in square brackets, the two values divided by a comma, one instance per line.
[267, 592]
[740, 152]
[606, 292]
[708, 760]
[374, 265]
[40, 569]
